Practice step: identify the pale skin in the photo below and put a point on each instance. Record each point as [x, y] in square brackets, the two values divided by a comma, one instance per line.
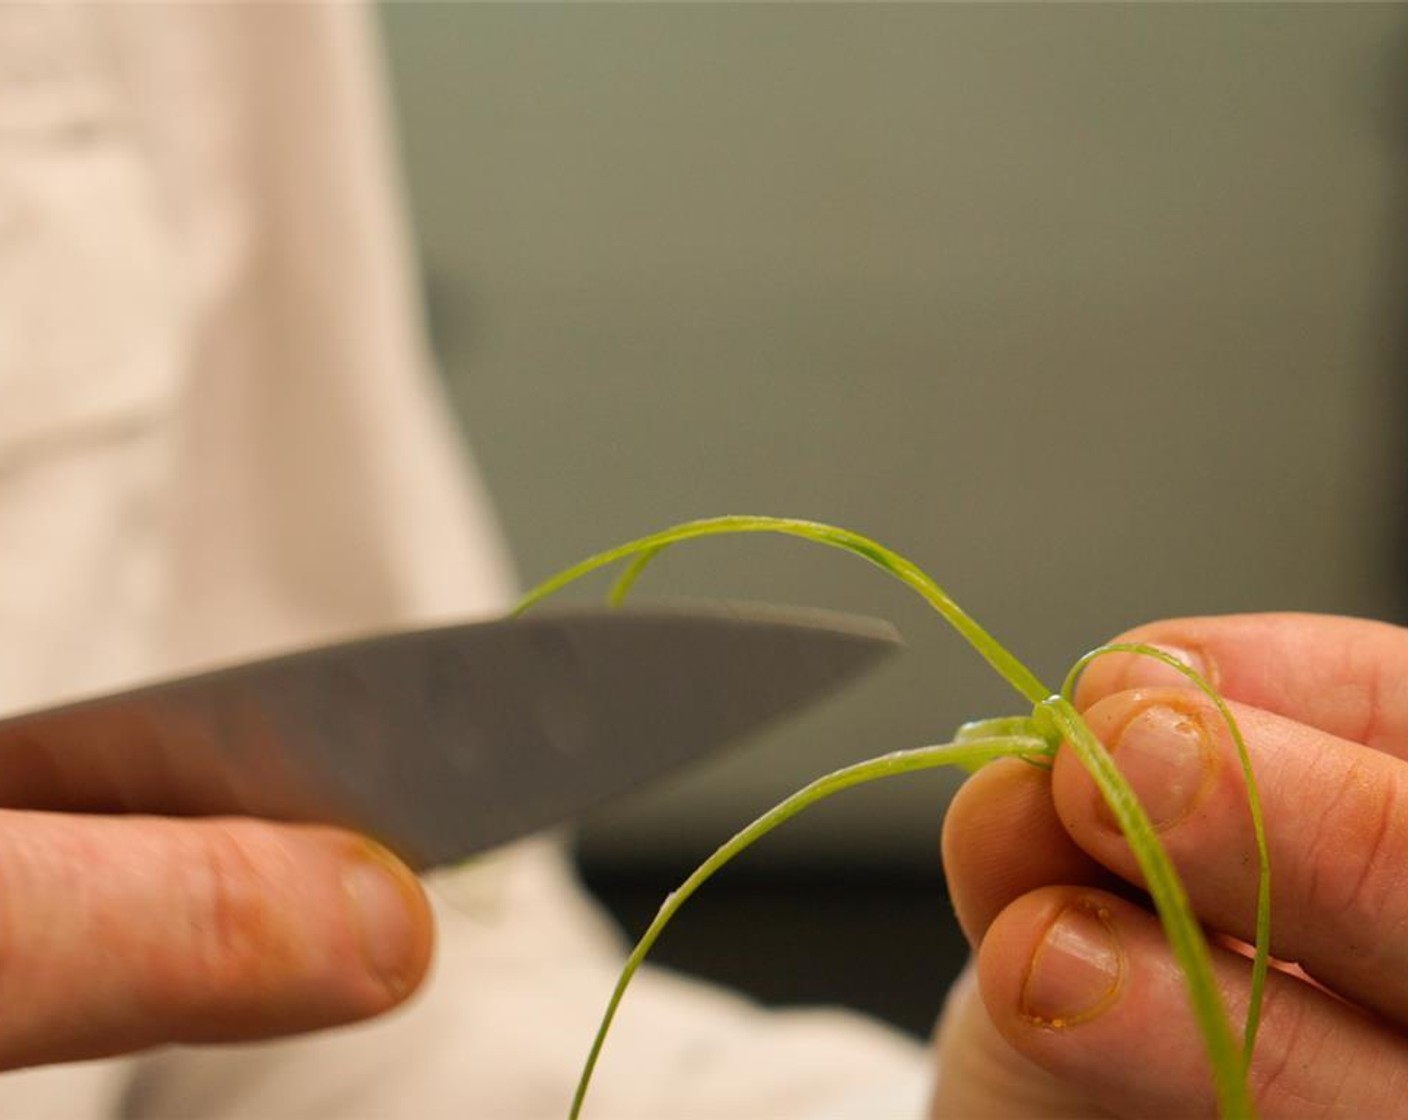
[117, 934]
[1073, 1006]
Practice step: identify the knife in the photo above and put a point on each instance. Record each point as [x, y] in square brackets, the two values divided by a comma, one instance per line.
[444, 742]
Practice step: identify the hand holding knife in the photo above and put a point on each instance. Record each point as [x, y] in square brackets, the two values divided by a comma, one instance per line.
[437, 743]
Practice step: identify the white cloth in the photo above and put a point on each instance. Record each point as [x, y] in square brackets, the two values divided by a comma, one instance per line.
[218, 438]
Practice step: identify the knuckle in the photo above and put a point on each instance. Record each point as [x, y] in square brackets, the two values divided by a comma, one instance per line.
[1384, 716]
[1291, 1041]
[233, 937]
[1355, 869]
[17, 936]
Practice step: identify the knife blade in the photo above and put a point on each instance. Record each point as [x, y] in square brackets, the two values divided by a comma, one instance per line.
[444, 742]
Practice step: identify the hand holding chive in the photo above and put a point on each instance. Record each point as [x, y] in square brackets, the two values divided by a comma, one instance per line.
[1033, 740]
[1076, 1006]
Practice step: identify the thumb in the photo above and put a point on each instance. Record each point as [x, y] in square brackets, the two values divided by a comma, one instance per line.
[119, 933]
[980, 1074]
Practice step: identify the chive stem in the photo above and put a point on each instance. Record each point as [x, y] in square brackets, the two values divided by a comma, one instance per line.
[1033, 739]
[644, 549]
[1261, 954]
[974, 752]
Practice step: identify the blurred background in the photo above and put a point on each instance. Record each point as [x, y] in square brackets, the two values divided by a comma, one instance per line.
[1093, 311]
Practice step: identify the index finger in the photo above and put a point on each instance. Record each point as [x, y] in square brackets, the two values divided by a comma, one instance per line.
[1345, 676]
[122, 933]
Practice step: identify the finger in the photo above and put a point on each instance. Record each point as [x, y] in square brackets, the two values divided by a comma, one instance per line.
[980, 1074]
[1083, 984]
[121, 933]
[1336, 816]
[1002, 838]
[1341, 675]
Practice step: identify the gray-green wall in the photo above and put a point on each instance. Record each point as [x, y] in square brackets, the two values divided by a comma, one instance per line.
[1093, 310]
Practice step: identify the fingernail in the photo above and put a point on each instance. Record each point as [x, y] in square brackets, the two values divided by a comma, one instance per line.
[1141, 670]
[385, 899]
[1077, 969]
[1149, 672]
[1167, 759]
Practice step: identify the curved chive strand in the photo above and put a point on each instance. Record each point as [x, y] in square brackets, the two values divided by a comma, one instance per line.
[1185, 935]
[1013, 671]
[632, 572]
[1261, 957]
[969, 754]
[1032, 739]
